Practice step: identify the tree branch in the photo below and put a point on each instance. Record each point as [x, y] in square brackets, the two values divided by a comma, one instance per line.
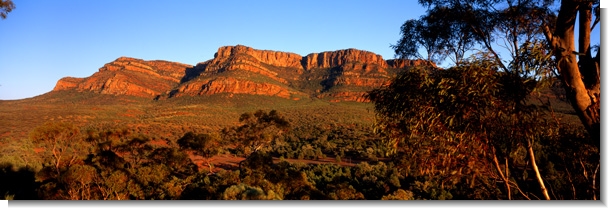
[535, 167]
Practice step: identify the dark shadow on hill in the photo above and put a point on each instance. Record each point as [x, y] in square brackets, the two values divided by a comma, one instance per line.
[189, 74]
[332, 79]
[17, 183]
[193, 72]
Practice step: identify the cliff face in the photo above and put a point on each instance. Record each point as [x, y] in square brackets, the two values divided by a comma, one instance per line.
[232, 58]
[244, 70]
[67, 83]
[343, 68]
[274, 58]
[343, 75]
[341, 57]
[232, 86]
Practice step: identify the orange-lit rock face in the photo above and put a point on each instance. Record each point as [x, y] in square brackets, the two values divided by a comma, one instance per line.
[244, 70]
[275, 58]
[123, 84]
[340, 57]
[67, 83]
[170, 71]
[242, 62]
[234, 86]
[230, 58]
[129, 76]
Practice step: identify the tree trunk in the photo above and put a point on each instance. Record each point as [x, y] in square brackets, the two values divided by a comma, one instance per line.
[209, 165]
[580, 78]
[504, 178]
[535, 167]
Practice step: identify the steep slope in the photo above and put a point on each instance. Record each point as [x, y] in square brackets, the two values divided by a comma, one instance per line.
[243, 70]
[345, 75]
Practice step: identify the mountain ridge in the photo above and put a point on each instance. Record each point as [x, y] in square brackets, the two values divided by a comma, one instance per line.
[341, 75]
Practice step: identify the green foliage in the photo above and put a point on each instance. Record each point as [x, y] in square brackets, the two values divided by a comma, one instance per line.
[19, 153]
[451, 28]
[205, 145]
[458, 131]
[441, 33]
[206, 186]
[121, 166]
[246, 192]
[258, 130]
[400, 194]
[571, 164]
[62, 144]
[448, 163]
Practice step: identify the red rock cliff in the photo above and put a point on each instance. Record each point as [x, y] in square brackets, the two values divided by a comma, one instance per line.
[342, 75]
[67, 83]
[337, 58]
[274, 58]
[129, 76]
[232, 86]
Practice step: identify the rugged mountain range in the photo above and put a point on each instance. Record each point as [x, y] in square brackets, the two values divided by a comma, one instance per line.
[342, 75]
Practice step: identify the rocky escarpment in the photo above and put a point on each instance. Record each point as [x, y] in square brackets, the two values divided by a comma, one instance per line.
[274, 58]
[244, 70]
[271, 64]
[129, 76]
[67, 83]
[232, 86]
[341, 57]
[328, 75]
[342, 75]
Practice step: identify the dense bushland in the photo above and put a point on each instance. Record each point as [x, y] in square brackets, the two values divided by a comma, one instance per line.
[119, 163]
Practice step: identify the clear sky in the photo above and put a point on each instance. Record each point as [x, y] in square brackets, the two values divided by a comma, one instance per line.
[43, 41]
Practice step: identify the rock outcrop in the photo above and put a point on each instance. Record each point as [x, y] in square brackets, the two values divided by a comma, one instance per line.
[67, 83]
[232, 86]
[274, 58]
[129, 76]
[342, 75]
[338, 58]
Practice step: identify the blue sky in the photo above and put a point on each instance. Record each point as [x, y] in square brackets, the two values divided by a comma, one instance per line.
[43, 41]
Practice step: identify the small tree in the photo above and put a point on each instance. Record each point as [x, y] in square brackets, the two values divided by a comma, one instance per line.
[259, 129]
[62, 143]
[205, 145]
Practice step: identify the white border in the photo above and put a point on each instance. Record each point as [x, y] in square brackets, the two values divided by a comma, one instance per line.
[316, 204]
